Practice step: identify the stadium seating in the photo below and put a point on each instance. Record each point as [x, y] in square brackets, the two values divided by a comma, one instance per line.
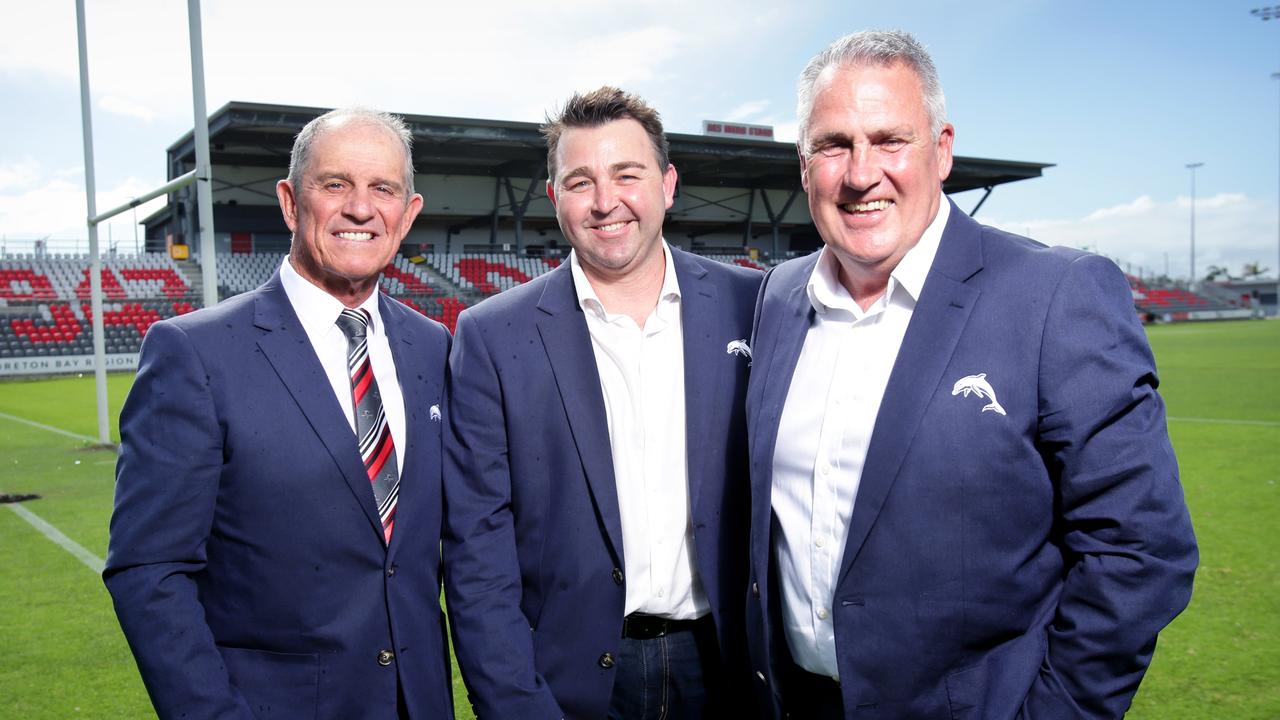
[1170, 301]
[45, 310]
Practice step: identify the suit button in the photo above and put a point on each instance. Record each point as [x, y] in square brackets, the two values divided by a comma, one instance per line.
[391, 571]
[617, 575]
[385, 657]
[755, 589]
[606, 661]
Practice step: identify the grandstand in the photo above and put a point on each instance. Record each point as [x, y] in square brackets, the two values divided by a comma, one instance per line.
[486, 226]
[1172, 303]
[483, 182]
[44, 301]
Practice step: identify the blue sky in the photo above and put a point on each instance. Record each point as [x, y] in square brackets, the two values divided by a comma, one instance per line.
[1120, 96]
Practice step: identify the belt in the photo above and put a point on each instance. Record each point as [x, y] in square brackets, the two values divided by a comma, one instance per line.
[647, 627]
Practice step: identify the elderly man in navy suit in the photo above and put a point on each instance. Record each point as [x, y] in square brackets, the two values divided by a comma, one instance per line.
[964, 499]
[596, 478]
[275, 542]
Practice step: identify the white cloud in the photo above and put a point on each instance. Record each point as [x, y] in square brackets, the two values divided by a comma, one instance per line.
[56, 209]
[20, 174]
[128, 108]
[1216, 202]
[1143, 204]
[746, 111]
[1145, 236]
[469, 59]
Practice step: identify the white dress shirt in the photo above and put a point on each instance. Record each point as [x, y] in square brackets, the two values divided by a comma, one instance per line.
[642, 381]
[318, 311]
[824, 433]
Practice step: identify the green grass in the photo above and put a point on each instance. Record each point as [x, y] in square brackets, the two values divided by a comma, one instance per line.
[62, 654]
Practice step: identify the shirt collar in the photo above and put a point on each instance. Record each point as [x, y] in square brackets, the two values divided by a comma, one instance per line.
[317, 309]
[826, 292]
[913, 268]
[589, 301]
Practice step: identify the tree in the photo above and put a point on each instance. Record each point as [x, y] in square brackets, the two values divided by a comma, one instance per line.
[1215, 272]
[1253, 269]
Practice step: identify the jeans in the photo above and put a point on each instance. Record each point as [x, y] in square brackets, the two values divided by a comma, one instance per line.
[674, 677]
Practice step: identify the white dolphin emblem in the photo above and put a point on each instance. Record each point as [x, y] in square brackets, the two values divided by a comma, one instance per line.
[739, 347]
[978, 385]
[435, 413]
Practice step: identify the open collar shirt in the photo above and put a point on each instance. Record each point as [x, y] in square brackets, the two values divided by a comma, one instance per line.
[642, 381]
[824, 434]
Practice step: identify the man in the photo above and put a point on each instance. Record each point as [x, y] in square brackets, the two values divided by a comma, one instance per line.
[274, 547]
[596, 462]
[964, 499]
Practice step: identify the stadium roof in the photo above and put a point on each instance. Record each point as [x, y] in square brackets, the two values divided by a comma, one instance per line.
[261, 135]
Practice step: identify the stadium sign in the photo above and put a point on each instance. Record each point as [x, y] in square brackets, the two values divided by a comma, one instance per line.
[716, 128]
[62, 364]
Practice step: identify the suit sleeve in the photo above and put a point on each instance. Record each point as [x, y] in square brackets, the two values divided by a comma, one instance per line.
[166, 489]
[492, 638]
[1123, 522]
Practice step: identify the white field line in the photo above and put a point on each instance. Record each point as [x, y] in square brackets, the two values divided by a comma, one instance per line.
[1221, 421]
[92, 561]
[50, 428]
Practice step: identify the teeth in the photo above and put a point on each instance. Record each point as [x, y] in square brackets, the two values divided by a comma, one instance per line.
[355, 235]
[867, 206]
[612, 226]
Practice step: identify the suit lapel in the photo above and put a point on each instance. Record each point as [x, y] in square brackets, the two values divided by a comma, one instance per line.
[564, 335]
[286, 346]
[780, 340]
[704, 379]
[936, 324]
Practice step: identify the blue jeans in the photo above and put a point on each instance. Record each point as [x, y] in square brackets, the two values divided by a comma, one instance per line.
[674, 677]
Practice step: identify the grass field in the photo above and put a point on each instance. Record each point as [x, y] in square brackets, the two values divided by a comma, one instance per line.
[62, 654]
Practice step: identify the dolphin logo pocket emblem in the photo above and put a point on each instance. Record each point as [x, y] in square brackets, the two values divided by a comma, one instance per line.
[978, 385]
[435, 413]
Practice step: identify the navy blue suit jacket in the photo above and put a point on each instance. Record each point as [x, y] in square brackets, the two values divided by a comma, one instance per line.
[533, 541]
[996, 565]
[246, 560]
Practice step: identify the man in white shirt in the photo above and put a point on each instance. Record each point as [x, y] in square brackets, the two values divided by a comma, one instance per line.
[275, 542]
[964, 499]
[596, 462]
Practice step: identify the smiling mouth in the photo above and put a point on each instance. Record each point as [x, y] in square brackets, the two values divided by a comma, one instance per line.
[355, 235]
[866, 207]
[611, 227]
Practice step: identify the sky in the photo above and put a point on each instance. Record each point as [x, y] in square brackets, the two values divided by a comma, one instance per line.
[1118, 96]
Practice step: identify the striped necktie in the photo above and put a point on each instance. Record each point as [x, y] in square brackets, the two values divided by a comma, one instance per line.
[376, 446]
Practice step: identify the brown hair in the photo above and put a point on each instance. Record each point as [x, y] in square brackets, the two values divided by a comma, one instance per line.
[600, 107]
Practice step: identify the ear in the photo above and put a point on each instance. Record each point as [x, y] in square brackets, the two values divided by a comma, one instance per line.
[551, 194]
[945, 140]
[669, 185]
[410, 214]
[288, 204]
[804, 168]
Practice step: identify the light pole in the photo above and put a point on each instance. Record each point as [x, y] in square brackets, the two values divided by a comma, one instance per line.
[1264, 13]
[1276, 76]
[1192, 167]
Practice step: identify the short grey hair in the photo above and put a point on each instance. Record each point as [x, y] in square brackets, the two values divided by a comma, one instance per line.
[880, 48]
[393, 124]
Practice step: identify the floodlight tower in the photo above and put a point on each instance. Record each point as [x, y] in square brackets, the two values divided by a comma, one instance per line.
[1268, 12]
[1192, 167]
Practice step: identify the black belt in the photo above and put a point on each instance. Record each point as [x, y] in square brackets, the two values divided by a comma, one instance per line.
[647, 627]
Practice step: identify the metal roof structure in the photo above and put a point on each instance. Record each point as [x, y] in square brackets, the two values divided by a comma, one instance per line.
[261, 135]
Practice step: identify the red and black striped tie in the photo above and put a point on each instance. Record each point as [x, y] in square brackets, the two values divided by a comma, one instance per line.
[376, 446]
